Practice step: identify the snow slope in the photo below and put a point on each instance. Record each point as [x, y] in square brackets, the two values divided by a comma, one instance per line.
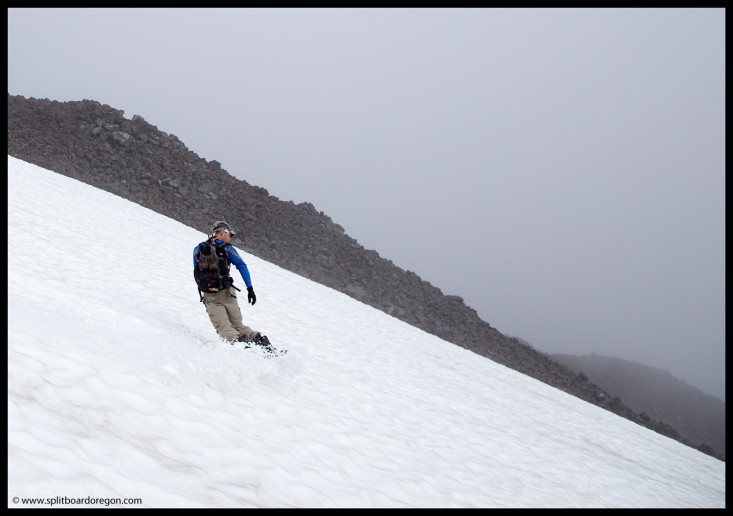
[120, 393]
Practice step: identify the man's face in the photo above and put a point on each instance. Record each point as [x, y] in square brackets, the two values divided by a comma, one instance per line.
[224, 236]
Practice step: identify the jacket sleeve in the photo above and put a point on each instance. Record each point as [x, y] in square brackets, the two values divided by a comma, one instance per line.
[239, 264]
[195, 253]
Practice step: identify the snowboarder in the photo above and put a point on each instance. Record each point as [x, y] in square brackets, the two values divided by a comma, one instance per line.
[211, 263]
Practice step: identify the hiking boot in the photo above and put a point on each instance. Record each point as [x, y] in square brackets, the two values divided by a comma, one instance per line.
[244, 338]
[261, 340]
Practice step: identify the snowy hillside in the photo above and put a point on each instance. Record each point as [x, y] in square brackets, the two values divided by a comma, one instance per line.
[121, 394]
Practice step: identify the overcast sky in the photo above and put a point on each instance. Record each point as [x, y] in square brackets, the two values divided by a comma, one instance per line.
[562, 170]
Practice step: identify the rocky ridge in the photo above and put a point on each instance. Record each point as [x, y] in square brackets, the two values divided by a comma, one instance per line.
[132, 158]
[656, 394]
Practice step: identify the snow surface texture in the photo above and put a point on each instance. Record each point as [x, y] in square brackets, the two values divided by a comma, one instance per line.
[119, 389]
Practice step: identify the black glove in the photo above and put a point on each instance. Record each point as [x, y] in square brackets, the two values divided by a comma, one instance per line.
[251, 298]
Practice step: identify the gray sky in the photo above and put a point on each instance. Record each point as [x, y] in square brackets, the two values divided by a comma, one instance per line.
[562, 170]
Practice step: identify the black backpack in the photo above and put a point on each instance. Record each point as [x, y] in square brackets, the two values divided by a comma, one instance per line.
[212, 270]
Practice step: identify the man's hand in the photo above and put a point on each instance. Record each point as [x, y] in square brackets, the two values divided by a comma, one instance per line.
[251, 298]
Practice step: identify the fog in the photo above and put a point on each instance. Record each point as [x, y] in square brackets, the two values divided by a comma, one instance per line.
[562, 170]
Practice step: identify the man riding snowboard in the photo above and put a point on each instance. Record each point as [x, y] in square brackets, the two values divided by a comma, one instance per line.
[211, 262]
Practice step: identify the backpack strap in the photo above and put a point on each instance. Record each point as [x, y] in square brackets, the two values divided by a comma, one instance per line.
[222, 247]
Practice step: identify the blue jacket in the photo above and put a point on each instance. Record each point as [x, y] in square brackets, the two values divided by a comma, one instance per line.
[233, 257]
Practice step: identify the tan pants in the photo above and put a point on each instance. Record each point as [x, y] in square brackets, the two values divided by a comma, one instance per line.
[225, 315]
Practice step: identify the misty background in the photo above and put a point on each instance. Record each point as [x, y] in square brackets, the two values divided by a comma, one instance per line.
[562, 170]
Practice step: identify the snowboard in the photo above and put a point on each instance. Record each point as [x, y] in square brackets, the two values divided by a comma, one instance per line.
[267, 351]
